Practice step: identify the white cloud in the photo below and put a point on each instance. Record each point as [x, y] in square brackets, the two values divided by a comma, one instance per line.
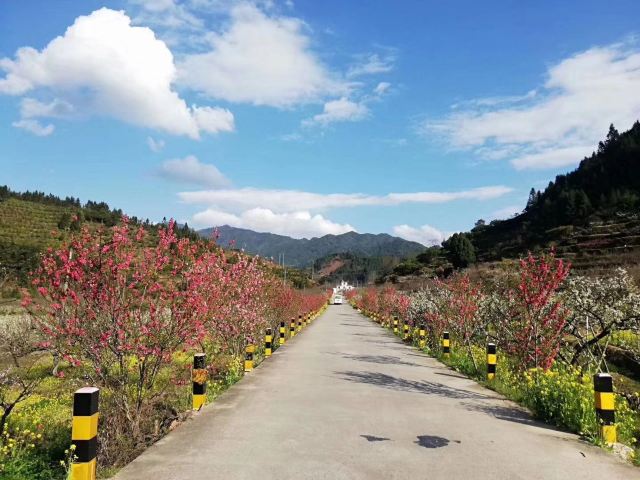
[191, 170]
[297, 224]
[426, 234]
[292, 200]
[506, 212]
[213, 119]
[104, 66]
[260, 59]
[559, 123]
[341, 110]
[31, 108]
[381, 88]
[35, 127]
[291, 137]
[371, 64]
[552, 157]
[155, 146]
[167, 14]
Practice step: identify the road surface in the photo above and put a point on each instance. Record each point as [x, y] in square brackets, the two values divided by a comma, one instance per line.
[347, 400]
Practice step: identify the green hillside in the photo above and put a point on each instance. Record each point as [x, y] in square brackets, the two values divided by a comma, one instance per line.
[355, 269]
[591, 216]
[33, 221]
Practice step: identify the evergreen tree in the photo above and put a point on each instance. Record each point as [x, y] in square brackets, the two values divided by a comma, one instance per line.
[460, 250]
[532, 199]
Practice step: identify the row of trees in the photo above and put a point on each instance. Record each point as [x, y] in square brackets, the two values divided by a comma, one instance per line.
[121, 309]
[537, 313]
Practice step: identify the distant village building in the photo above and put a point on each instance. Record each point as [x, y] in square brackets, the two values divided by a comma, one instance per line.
[343, 287]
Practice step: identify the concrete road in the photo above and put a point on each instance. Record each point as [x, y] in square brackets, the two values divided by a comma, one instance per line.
[347, 400]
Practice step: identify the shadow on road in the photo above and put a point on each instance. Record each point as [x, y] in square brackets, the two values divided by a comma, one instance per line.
[381, 342]
[402, 384]
[462, 377]
[380, 359]
[509, 414]
[373, 438]
[432, 441]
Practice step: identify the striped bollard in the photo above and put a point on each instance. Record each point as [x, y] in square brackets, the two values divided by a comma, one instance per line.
[492, 360]
[292, 328]
[605, 407]
[395, 326]
[199, 381]
[405, 332]
[268, 343]
[283, 331]
[422, 333]
[446, 344]
[299, 323]
[84, 433]
[248, 358]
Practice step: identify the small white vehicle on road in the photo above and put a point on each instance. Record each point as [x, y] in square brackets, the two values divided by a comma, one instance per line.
[337, 300]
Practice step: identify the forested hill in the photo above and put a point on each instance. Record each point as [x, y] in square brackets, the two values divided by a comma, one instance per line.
[591, 216]
[604, 189]
[303, 252]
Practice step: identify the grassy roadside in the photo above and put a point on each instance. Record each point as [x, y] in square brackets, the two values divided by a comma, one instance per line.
[36, 440]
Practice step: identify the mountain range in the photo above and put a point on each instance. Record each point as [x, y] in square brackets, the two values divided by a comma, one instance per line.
[303, 252]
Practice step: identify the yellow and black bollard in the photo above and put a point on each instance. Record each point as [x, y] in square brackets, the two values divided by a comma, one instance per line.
[268, 343]
[299, 323]
[283, 331]
[422, 333]
[395, 326]
[605, 407]
[446, 344]
[492, 360]
[405, 332]
[292, 328]
[199, 381]
[248, 358]
[84, 433]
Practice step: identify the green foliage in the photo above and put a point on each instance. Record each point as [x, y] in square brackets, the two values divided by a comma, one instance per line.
[429, 255]
[35, 440]
[562, 396]
[460, 250]
[356, 268]
[408, 267]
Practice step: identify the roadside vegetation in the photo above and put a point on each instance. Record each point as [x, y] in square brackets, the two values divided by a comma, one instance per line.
[124, 309]
[553, 332]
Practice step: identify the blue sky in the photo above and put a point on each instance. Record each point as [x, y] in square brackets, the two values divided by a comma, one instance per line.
[303, 118]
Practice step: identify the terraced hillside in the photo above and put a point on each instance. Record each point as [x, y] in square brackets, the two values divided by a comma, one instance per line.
[603, 245]
[25, 230]
[29, 223]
